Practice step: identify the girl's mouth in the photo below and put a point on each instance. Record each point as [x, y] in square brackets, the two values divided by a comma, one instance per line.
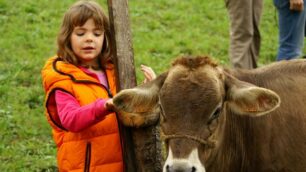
[88, 48]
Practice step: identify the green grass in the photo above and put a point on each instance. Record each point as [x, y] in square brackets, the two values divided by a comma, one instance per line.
[162, 30]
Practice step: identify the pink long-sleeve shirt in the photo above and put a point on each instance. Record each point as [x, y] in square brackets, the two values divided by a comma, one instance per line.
[74, 117]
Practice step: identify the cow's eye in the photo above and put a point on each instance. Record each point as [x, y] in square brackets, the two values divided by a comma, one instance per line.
[215, 115]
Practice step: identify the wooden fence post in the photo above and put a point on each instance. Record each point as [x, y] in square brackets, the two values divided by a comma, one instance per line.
[142, 146]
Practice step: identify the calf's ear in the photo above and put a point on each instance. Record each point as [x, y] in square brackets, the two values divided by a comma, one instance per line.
[139, 106]
[246, 99]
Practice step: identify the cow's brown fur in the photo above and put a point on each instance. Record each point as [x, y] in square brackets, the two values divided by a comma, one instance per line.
[192, 89]
[277, 141]
[194, 62]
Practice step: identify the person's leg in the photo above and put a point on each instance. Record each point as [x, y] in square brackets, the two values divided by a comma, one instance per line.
[241, 33]
[255, 49]
[291, 31]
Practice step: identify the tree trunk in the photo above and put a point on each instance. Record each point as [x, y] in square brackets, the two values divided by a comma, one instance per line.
[142, 148]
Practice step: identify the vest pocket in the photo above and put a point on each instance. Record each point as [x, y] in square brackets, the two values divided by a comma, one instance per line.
[87, 157]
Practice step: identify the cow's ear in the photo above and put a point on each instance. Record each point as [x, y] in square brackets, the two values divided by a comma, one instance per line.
[246, 99]
[139, 106]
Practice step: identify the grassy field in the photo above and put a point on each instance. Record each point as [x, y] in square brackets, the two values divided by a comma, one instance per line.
[162, 30]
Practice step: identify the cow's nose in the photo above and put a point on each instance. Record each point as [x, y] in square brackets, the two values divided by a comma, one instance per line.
[180, 167]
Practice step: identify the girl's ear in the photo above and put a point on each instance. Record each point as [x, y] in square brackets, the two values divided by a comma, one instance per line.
[246, 99]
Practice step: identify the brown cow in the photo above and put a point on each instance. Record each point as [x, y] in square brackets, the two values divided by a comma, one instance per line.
[221, 120]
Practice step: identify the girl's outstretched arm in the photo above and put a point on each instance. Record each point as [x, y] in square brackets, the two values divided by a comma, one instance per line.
[76, 118]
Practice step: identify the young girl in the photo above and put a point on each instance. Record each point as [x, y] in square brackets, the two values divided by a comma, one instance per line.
[78, 82]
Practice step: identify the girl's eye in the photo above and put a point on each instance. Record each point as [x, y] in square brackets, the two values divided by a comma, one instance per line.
[80, 33]
[99, 33]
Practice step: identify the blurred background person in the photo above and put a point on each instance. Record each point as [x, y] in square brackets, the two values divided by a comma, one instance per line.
[291, 23]
[245, 38]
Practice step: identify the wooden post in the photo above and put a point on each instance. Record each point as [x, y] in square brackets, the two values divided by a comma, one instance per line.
[142, 146]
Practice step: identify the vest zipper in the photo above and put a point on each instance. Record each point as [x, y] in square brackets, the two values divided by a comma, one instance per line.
[87, 157]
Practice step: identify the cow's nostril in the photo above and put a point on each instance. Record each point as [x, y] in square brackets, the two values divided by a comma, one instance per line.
[168, 168]
[180, 168]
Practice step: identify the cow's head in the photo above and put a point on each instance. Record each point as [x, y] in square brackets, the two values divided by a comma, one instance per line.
[191, 101]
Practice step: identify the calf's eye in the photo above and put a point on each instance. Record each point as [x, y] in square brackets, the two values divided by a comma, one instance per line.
[215, 115]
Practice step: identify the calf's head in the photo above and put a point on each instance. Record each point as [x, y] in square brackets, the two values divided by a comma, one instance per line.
[191, 100]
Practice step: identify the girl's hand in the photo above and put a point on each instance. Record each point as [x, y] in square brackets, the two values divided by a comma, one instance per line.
[148, 73]
[109, 105]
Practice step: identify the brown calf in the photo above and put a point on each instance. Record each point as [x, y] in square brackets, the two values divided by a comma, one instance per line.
[221, 120]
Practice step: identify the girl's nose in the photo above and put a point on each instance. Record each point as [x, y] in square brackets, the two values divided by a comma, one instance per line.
[89, 37]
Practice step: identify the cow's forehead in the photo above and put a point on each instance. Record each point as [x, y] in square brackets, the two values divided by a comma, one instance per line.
[205, 72]
[189, 96]
[203, 81]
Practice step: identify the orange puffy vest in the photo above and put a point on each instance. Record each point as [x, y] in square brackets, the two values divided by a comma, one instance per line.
[98, 147]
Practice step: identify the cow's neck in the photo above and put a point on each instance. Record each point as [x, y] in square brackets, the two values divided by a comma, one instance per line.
[240, 142]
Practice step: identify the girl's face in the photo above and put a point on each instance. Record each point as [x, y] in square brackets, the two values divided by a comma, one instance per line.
[87, 42]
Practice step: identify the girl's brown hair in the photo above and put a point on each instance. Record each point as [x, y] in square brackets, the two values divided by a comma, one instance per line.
[77, 15]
